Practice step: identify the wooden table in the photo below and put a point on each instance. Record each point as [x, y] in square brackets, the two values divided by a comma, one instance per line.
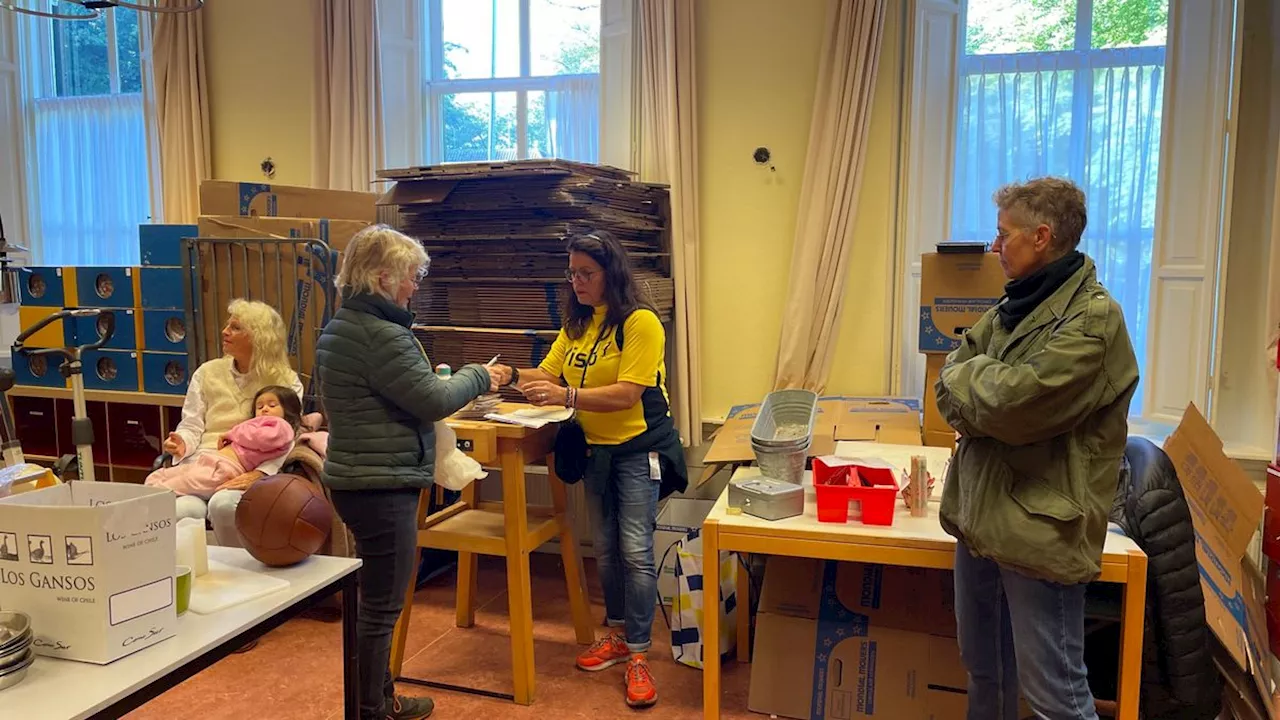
[67, 689]
[507, 529]
[910, 541]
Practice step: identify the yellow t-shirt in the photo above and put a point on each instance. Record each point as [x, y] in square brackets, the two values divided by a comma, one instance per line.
[642, 360]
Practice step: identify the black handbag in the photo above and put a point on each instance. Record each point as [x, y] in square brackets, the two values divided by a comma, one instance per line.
[571, 441]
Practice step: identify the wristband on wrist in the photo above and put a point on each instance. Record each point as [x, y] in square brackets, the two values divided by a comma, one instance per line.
[515, 377]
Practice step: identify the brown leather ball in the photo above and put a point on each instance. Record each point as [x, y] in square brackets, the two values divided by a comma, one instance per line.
[283, 519]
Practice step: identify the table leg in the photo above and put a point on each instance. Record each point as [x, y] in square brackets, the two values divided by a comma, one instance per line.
[400, 635]
[1132, 626]
[743, 614]
[574, 576]
[711, 620]
[519, 590]
[468, 567]
[350, 649]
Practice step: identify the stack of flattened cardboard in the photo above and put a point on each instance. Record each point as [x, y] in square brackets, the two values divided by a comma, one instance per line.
[956, 289]
[496, 234]
[289, 276]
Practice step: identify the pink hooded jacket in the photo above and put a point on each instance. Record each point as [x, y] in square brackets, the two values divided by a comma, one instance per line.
[259, 439]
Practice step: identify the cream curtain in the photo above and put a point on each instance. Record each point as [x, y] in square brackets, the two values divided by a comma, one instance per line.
[1273, 282]
[181, 111]
[666, 151]
[348, 112]
[829, 192]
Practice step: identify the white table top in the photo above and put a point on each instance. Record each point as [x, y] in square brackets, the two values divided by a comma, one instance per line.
[56, 689]
[906, 531]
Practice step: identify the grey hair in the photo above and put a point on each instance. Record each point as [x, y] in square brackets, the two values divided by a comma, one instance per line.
[1052, 201]
[377, 259]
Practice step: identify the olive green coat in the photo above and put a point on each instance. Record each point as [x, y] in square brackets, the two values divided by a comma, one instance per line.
[1043, 416]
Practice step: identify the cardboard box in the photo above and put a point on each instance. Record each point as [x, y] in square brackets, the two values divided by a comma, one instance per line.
[832, 661]
[955, 291]
[92, 564]
[679, 517]
[732, 442]
[47, 286]
[934, 438]
[222, 197]
[161, 288]
[894, 421]
[126, 334]
[161, 245]
[335, 233]
[165, 373]
[933, 420]
[1226, 508]
[118, 370]
[164, 331]
[107, 287]
[38, 371]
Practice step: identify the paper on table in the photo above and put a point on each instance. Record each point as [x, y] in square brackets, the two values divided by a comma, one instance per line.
[532, 417]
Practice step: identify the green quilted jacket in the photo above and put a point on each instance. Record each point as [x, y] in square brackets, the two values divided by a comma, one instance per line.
[382, 398]
[1043, 416]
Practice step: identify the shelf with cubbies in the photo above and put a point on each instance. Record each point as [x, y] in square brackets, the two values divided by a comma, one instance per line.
[134, 384]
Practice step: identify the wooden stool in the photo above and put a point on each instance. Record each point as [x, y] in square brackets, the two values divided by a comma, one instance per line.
[508, 529]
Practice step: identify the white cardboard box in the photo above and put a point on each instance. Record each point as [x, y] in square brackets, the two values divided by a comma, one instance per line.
[92, 564]
[676, 520]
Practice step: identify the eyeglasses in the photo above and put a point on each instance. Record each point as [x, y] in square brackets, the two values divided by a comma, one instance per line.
[583, 275]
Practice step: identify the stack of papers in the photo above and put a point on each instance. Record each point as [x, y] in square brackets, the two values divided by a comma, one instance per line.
[480, 407]
[532, 417]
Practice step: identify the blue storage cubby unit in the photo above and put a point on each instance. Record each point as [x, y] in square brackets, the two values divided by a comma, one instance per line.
[111, 370]
[106, 287]
[124, 337]
[41, 371]
[161, 245]
[45, 287]
[164, 331]
[162, 288]
[166, 373]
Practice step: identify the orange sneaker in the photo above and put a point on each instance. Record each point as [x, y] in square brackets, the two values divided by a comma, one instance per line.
[604, 653]
[641, 692]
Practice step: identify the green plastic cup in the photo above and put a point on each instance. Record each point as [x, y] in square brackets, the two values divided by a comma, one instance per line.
[182, 581]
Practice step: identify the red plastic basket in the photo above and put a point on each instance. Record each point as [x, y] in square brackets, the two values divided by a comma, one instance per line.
[837, 481]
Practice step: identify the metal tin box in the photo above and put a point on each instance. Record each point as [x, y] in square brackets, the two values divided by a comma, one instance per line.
[767, 498]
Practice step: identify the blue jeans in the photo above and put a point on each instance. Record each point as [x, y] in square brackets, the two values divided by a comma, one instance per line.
[1015, 630]
[625, 518]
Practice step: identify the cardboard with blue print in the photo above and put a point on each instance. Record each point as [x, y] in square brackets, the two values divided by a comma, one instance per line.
[1226, 509]
[93, 565]
[956, 289]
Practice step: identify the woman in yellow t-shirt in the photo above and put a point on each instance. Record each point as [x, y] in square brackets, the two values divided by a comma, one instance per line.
[608, 364]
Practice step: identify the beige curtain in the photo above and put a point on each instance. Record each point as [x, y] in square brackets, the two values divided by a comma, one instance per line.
[666, 151]
[1273, 282]
[348, 111]
[829, 192]
[181, 111]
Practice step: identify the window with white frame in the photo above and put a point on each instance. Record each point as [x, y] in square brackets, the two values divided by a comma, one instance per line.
[88, 180]
[511, 79]
[1004, 90]
[1073, 88]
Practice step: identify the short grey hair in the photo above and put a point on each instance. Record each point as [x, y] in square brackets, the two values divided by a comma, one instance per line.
[379, 252]
[1052, 201]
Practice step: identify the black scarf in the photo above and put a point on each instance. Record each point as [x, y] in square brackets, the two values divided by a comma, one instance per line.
[1024, 295]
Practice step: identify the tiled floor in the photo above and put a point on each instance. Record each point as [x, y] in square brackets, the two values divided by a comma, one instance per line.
[295, 671]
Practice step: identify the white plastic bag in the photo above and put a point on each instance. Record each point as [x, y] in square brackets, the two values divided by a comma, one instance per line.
[691, 602]
[454, 469]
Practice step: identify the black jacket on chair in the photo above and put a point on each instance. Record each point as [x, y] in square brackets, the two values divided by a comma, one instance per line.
[1179, 679]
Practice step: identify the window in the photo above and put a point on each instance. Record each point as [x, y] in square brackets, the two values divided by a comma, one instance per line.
[89, 183]
[512, 79]
[1072, 88]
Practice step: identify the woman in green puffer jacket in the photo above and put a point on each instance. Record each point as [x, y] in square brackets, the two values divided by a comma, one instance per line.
[382, 400]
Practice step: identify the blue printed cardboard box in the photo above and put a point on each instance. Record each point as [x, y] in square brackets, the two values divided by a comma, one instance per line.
[1226, 508]
[955, 291]
[852, 640]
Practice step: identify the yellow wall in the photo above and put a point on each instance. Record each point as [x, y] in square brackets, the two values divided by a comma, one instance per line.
[757, 62]
[757, 68]
[261, 60]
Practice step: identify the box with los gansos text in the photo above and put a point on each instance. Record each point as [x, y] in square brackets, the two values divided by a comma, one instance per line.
[93, 565]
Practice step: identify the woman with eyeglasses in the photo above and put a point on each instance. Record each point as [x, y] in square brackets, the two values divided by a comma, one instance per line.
[608, 365]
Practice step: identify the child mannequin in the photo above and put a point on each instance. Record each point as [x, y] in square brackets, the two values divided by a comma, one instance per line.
[268, 435]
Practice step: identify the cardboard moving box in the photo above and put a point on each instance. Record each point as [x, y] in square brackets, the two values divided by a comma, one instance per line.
[956, 289]
[879, 419]
[92, 564]
[222, 197]
[834, 640]
[335, 233]
[1226, 508]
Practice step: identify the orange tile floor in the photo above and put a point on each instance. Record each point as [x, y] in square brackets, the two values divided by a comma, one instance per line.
[295, 671]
